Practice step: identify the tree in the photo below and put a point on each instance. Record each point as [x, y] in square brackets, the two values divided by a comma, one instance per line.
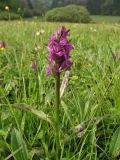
[13, 4]
[29, 4]
[116, 7]
[94, 6]
[107, 7]
[111, 7]
[39, 7]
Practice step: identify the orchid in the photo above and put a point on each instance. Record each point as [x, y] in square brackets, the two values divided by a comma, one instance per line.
[59, 49]
[2, 45]
[59, 59]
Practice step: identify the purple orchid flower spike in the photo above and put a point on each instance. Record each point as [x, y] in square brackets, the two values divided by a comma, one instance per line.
[59, 52]
[59, 60]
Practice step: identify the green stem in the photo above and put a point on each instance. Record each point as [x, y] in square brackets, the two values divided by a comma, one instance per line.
[57, 112]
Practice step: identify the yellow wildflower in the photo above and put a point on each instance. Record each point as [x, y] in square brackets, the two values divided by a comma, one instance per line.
[6, 8]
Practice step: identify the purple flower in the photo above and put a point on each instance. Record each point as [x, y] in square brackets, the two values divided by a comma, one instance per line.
[34, 66]
[59, 52]
[2, 45]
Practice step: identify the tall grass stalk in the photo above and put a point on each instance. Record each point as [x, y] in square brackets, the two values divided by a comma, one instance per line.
[57, 112]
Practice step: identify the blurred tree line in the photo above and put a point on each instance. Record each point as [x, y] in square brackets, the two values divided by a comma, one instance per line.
[12, 4]
[105, 7]
[39, 7]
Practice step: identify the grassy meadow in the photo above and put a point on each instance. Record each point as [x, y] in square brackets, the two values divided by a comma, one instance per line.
[90, 106]
[105, 19]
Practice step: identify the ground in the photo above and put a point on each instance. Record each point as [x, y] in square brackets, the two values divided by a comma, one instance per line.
[91, 98]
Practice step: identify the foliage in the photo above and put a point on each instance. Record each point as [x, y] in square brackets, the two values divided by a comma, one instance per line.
[39, 7]
[90, 106]
[19, 148]
[115, 144]
[105, 7]
[70, 13]
[111, 7]
[94, 6]
[13, 5]
[9, 15]
[105, 19]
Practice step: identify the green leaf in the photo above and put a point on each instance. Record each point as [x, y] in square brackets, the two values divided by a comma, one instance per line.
[2, 133]
[38, 113]
[115, 144]
[65, 107]
[23, 123]
[3, 146]
[19, 148]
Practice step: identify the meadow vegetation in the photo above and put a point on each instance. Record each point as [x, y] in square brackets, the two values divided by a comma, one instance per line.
[70, 13]
[90, 106]
[105, 19]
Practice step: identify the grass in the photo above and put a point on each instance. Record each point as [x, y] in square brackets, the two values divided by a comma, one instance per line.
[90, 106]
[105, 19]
